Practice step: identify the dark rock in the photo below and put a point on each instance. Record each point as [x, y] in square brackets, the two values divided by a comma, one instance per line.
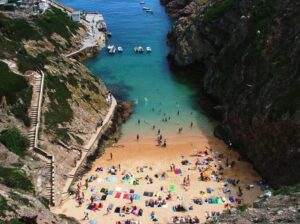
[249, 54]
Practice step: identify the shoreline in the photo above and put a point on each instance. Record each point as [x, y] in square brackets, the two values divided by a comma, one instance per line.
[145, 153]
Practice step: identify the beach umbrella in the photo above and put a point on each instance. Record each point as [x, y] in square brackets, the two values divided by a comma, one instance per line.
[92, 221]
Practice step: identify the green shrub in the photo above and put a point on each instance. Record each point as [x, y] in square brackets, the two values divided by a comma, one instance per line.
[56, 21]
[14, 141]
[17, 92]
[218, 9]
[3, 206]
[15, 178]
[59, 110]
[242, 208]
[288, 190]
[15, 221]
[17, 29]
[19, 199]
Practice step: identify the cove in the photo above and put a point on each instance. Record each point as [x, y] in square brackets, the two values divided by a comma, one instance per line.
[144, 78]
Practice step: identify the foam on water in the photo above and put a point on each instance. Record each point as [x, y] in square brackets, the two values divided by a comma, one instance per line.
[144, 78]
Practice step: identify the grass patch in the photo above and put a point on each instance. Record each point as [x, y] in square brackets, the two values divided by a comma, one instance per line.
[44, 201]
[56, 21]
[19, 199]
[242, 208]
[218, 9]
[288, 190]
[15, 178]
[17, 29]
[17, 92]
[59, 110]
[15, 221]
[14, 141]
[78, 140]
[3, 206]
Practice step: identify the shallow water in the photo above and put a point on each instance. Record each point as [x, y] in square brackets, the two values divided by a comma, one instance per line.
[144, 78]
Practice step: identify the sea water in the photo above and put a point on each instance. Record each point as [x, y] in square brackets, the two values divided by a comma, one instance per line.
[145, 78]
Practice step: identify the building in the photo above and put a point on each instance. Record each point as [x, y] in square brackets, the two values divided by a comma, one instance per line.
[75, 16]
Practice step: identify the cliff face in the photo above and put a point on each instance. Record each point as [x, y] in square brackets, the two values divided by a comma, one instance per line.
[276, 209]
[249, 55]
[73, 102]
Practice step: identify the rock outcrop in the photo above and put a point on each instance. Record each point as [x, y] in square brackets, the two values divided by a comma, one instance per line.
[276, 209]
[74, 100]
[247, 55]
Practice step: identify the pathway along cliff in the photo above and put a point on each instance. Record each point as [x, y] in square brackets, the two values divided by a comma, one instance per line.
[138, 164]
[246, 54]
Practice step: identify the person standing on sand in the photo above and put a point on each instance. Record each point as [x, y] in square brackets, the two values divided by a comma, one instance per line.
[111, 156]
[86, 183]
[86, 216]
[192, 124]
[137, 137]
[131, 198]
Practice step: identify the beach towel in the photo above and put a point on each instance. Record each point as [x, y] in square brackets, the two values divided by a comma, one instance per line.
[92, 221]
[172, 188]
[210, 190]
[110, 206]
[148, 194]
[178, 171]
[118, 195]
[126, 196]
[111, 180]
[117, 210]
[118, 188]
[103, 198]
[90, 207]
[226, 191]
[137, 197]
[110, 192]
[231, 199]
[104, 190]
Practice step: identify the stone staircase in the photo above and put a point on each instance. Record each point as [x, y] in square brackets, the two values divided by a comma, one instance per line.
[33, 135]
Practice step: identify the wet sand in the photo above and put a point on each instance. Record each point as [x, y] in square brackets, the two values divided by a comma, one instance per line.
[130, 154]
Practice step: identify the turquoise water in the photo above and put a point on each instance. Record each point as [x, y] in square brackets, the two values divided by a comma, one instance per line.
[144, 78]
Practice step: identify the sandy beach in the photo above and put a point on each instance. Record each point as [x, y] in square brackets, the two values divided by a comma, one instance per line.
[130, 155]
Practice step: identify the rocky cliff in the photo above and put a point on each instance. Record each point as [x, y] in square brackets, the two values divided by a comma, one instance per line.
[73, 102]
[247, 55]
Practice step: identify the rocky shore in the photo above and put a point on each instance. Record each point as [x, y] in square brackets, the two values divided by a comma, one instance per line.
[246, 54]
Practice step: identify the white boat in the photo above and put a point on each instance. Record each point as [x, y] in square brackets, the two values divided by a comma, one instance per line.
[112, 50]
[148, 49]
[142, 2]
[136, 50]
[109, 47]
[140, 49]
[149, 11]
[120, 49]
[146, 8]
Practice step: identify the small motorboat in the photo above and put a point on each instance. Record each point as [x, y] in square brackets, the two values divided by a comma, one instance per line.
[148, 49]
[120, 49]
[140, 49]
[146, 8]
[142, 2]
[109, 34]
[136, 50]
[109, 47]
[112, 50]
[149, 11]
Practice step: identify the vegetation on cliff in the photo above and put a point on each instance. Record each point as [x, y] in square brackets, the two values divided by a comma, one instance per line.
[16, 91]
[246, 54]
[14, 141]
[15, 178]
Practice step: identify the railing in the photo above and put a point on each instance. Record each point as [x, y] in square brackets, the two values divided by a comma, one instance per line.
[36, 149]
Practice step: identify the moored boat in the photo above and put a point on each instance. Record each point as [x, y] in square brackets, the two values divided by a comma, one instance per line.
[148, 49]
[120, 49]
